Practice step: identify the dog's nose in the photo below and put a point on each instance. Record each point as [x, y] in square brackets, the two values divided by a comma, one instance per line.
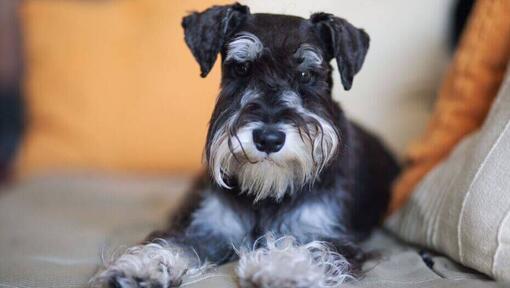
[268, 140]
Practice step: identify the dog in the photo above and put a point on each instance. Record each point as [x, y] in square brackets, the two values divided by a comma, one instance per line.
[292, 186]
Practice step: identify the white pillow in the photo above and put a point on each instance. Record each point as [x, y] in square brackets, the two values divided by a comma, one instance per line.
[462, 207]
[394, 92]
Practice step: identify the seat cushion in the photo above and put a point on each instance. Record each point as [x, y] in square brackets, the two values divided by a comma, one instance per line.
[54, 231]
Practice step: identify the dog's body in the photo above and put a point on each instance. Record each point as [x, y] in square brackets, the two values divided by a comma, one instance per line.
[282, 157]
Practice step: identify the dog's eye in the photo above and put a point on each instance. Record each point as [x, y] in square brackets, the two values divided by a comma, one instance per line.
[304, 77]
[242, 69]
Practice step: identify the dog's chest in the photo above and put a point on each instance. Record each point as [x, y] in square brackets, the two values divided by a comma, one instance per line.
[306, 222]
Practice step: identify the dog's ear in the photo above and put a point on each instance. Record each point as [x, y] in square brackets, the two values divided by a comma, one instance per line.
[205, 32]
[348, 44]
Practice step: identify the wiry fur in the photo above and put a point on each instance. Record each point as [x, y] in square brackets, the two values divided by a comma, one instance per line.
[157, 264]
[312, 220]
[285, 263]
[306, 151]
[309, 55]
[244, 47]
[214, 213]
[319, 187]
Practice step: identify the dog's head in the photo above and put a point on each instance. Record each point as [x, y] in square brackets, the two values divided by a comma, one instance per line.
[275, 124]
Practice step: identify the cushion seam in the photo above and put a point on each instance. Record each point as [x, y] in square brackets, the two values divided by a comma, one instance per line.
[498, 245]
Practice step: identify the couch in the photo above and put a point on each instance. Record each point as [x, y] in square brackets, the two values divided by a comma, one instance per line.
[60, 220]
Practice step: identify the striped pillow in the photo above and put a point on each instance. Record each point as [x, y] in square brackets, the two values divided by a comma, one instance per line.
[462, 207]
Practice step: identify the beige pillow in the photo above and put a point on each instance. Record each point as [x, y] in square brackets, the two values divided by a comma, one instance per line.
[111, 86]
[462, 207]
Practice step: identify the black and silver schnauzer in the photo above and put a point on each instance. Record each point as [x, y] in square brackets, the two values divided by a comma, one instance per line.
[292, 185]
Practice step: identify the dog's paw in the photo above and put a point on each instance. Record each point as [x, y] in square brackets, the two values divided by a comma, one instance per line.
[283, 263]
[155, 265]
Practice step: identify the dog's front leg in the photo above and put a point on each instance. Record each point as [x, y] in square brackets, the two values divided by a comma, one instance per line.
[160, 263]
[318, 253]
[285, 263]
[208, 237]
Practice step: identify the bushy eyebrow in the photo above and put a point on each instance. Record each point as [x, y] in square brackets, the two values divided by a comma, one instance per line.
[244, 47]
[309, 56]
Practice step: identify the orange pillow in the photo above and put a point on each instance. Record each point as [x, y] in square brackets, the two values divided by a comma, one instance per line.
[466, 95]
[111, 85]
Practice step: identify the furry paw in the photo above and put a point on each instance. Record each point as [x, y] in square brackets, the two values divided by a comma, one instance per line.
[283, 263]
[149, 266]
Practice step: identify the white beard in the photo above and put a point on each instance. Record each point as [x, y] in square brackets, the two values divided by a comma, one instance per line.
[297, 164]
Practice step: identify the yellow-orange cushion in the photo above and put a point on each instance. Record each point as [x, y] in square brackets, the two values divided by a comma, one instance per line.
[111, 85]
[466, 94]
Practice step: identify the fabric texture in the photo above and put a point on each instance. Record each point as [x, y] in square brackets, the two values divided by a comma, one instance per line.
[462, 207]
[111, 85]
[466, 94]
[55, 229]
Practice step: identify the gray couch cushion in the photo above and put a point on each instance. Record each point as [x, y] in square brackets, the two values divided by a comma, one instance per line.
[53, 230]
[462, 207]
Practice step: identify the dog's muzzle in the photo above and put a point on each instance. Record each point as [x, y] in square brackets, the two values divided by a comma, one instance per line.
[275, 157]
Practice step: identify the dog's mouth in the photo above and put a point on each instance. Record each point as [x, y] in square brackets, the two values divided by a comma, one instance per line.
[245, 159]
[267, 158]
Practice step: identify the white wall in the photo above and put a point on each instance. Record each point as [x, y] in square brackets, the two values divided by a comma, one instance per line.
[394, 92]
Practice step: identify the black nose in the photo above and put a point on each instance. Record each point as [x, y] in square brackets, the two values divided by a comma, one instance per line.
[268, 140]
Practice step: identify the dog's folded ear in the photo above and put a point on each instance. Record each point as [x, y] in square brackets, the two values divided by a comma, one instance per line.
[205, 32]
[348, 44]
